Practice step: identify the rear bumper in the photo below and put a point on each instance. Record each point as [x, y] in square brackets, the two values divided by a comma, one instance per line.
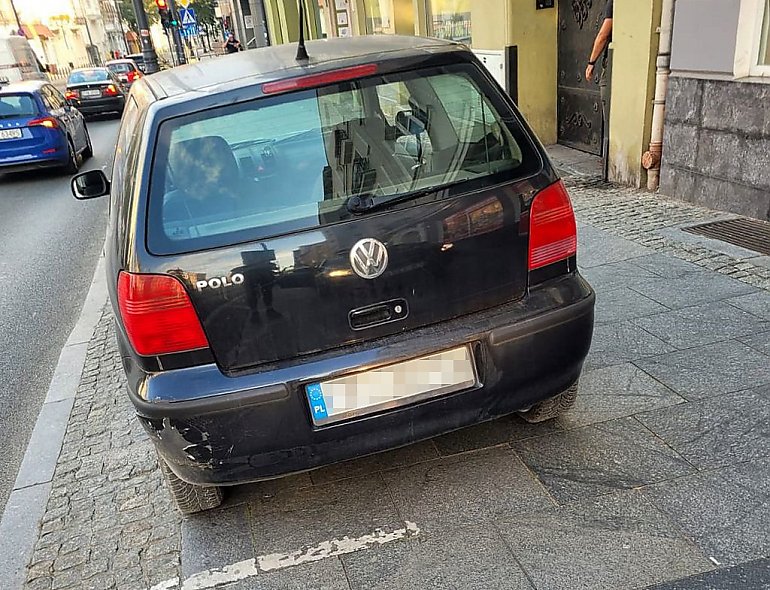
[99, 105]
[11, 165]
[232, 430]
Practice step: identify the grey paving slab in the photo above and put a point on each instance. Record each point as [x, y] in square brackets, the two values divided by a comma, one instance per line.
[403, 457]
[617, 541]
[617, 343]
[600, 459]
[19, 529]
[66, 376]
[704, 324]
[757, 304]
[480, 436]
[327, 574]
[623, 304]
[465, 490]
[759, 342]
[45, 443]
[665, 265]
[754, 575]
[215, 539]
[706, 371]
[352, 508]
[724, 511]
[474, 558]
[616, 275]
[718, 431]
[597, 247]
[266, 490]
[695, 288]
[615, 392]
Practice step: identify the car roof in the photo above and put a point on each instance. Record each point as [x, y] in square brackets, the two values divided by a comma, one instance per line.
[23, 86]
[279, 61]
[119, 61]
[89, 69]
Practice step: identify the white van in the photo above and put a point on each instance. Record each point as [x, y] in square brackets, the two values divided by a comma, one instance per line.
[18, 61]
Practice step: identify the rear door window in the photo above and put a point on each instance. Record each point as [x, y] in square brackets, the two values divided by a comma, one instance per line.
[14, 106]
[291, 162]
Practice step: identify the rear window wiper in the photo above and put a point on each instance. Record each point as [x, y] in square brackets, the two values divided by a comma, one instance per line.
[366, 202]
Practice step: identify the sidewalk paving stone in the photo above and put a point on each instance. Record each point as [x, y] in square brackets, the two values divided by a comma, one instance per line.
[616, 275]
[620, 342]
[601, 459]
[470, 558]
[623, 304]
[465, 490]
[753, 575]
[718, 431]
[726, 511]
[759, 342]
[756, 303]
[701, 325]
[707, 371]
[696, 288]
[619, 541]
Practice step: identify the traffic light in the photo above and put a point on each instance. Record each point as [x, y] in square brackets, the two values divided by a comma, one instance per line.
[165, 13]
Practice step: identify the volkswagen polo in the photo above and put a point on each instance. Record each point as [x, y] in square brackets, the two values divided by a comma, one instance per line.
[318, 259]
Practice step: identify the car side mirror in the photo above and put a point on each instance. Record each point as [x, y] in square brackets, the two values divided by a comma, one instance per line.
[90, 185]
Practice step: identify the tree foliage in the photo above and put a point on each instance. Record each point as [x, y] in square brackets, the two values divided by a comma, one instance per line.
[204, 11]
[128, 15]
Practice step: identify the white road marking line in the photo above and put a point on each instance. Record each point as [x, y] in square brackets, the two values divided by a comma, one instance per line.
[166, 585]
[274, 561]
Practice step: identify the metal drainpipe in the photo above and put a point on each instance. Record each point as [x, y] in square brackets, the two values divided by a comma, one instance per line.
[651, 158]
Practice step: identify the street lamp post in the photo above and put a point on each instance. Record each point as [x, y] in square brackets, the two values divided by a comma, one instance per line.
[18, 20]
[148, 50]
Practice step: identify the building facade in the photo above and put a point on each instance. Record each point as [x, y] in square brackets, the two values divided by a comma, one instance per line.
[717, 135]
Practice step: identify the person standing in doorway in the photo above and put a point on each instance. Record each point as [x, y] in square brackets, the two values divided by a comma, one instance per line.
[602, 41]
[232, 45]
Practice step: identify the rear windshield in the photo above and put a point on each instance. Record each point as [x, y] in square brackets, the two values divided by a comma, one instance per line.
[88, 76]
[291, 162]
[121, 68]
[17, 105]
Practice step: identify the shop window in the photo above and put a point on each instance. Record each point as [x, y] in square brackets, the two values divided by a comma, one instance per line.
[450, 19]
[764, 45]
[380, 17]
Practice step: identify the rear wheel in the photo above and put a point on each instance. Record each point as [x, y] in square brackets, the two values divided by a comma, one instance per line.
[189, 498]
[551, 408]
[89, 151]
[73, 160]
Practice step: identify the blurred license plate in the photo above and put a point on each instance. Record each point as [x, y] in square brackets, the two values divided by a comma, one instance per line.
[391, 386]
[91, 93]
[10, 133]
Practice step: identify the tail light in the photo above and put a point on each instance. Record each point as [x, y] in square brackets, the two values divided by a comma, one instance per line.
[111, 90]
[552, 230]
[132, 75]
[47, 122]
[314, 80]
[71, 94]
[158, 315]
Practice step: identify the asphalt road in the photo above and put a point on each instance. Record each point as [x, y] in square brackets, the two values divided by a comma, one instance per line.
[49, 247]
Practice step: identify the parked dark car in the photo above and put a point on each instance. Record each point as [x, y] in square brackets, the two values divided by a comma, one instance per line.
[38, 129]
[95, 91]
[125, 70]
[311, 264]
[138, 59]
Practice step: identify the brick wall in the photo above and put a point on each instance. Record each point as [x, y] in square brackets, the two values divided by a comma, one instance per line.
[716, 145]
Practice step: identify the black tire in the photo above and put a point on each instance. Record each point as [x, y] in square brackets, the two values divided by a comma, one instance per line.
[188, 498]
[73, 162]
[551, 408]
[89, 151]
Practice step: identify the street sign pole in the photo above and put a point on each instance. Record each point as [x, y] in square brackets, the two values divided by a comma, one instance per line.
[175, 31]
[148, 50]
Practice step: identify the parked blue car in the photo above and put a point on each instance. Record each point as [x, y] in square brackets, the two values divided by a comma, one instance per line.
[38, 129]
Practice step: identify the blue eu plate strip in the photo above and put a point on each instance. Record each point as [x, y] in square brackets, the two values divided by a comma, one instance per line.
[317, 403]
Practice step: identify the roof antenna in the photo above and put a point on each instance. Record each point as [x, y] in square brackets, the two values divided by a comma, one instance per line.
[301, 51]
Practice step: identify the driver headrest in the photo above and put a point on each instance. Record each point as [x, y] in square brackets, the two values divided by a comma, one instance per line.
[203, 162]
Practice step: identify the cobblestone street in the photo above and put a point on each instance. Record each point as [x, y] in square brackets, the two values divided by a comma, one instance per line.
[660, 473]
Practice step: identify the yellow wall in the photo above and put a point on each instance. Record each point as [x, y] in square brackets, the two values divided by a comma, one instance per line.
[635, 46]
[513, 22]
[404, 20]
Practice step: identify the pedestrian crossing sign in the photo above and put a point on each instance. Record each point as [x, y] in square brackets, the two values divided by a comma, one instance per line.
[188, 17]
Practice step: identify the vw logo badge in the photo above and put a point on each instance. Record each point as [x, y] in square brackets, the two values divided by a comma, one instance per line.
[369, 258]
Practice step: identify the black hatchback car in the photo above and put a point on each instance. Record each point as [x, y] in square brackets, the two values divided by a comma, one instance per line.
[313, 261]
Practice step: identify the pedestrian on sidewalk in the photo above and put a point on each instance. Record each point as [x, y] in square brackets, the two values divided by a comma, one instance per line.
[599, 49]
[232, 45]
